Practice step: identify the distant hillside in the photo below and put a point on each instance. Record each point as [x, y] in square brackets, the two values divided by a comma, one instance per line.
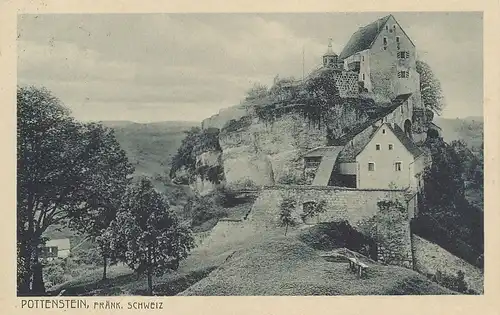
[470, 130]
[150, 146]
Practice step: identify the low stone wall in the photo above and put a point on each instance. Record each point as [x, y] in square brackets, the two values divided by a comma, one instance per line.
[357, 206]
[430, 258]
[342, 203]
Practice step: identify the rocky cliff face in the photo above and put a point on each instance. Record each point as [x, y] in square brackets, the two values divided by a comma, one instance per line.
[256, 152]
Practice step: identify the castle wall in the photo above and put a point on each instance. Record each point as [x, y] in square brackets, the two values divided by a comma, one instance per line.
[347, 84]
[357, 206]
[430, 258]
[385, 64]
[364, 69]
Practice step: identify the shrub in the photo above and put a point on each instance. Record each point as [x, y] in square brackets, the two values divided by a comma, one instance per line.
[285, 217]
[234, 125]
[452, 282]
[291, 179]
[332, 235]
[203, 208]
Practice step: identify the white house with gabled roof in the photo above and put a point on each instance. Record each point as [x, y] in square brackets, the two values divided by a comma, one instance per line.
[390, 160]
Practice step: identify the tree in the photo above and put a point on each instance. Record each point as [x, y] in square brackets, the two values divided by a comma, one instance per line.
[257, 91]
[285, 216]
[322, 95]
[64, 170]
[146, 235]
[430, 88]
[313, 209]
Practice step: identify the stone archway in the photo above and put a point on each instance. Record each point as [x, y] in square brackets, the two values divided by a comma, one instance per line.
[407, 127]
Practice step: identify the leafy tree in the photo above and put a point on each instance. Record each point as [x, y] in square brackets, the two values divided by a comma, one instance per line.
[196, 142]
[314, 209]
[146, 235]
[65, 170]
[285, 216]
[257, 91]
[322, 95]
[430, 88]
[444, 196]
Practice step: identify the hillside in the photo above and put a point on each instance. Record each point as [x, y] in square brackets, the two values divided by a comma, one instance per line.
[150, 146]
[470, 130]
[292, 267]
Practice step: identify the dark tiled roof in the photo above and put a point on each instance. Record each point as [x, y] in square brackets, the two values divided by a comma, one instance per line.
[407, 142]
[375, 113]
[363, 38]
[322, 151]
[350, 152]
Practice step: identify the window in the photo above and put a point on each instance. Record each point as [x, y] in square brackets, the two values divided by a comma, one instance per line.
[397, 166]
[363, 76]
[371, 166]
[391, 146]
[403, 74]
[403, 54]
[377, 147]
[383, 130]
[397, 39]
[394, 27]
[387, 27]
[385, 41]
[363, 58]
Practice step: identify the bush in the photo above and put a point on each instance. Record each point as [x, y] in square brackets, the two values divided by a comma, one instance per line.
[234, 125]
[202, 209]
[455, 283]
[291, 179]
[332, 235]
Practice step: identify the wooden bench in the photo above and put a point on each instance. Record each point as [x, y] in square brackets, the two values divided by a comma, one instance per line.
[357, 266]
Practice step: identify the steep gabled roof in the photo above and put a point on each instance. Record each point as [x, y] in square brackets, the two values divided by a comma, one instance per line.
[364, 37]
[322, 151]
[407, 142]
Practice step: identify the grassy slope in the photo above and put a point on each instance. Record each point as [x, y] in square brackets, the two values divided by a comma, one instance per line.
[267, 264]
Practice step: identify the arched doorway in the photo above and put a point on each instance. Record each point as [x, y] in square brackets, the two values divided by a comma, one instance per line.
[407, 127]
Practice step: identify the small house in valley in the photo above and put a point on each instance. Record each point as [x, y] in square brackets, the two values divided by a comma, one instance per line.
[56, 248]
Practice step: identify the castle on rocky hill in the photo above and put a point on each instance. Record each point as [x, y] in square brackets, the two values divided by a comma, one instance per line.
[381, 152]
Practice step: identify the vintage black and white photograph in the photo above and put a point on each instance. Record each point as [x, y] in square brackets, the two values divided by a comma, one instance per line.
[250, 154]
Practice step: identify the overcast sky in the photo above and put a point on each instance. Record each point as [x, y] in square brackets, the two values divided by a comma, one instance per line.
[157, 67]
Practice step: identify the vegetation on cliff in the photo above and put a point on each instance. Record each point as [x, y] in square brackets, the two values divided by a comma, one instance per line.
[430, 88]
[446, 217]
[196, 142]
